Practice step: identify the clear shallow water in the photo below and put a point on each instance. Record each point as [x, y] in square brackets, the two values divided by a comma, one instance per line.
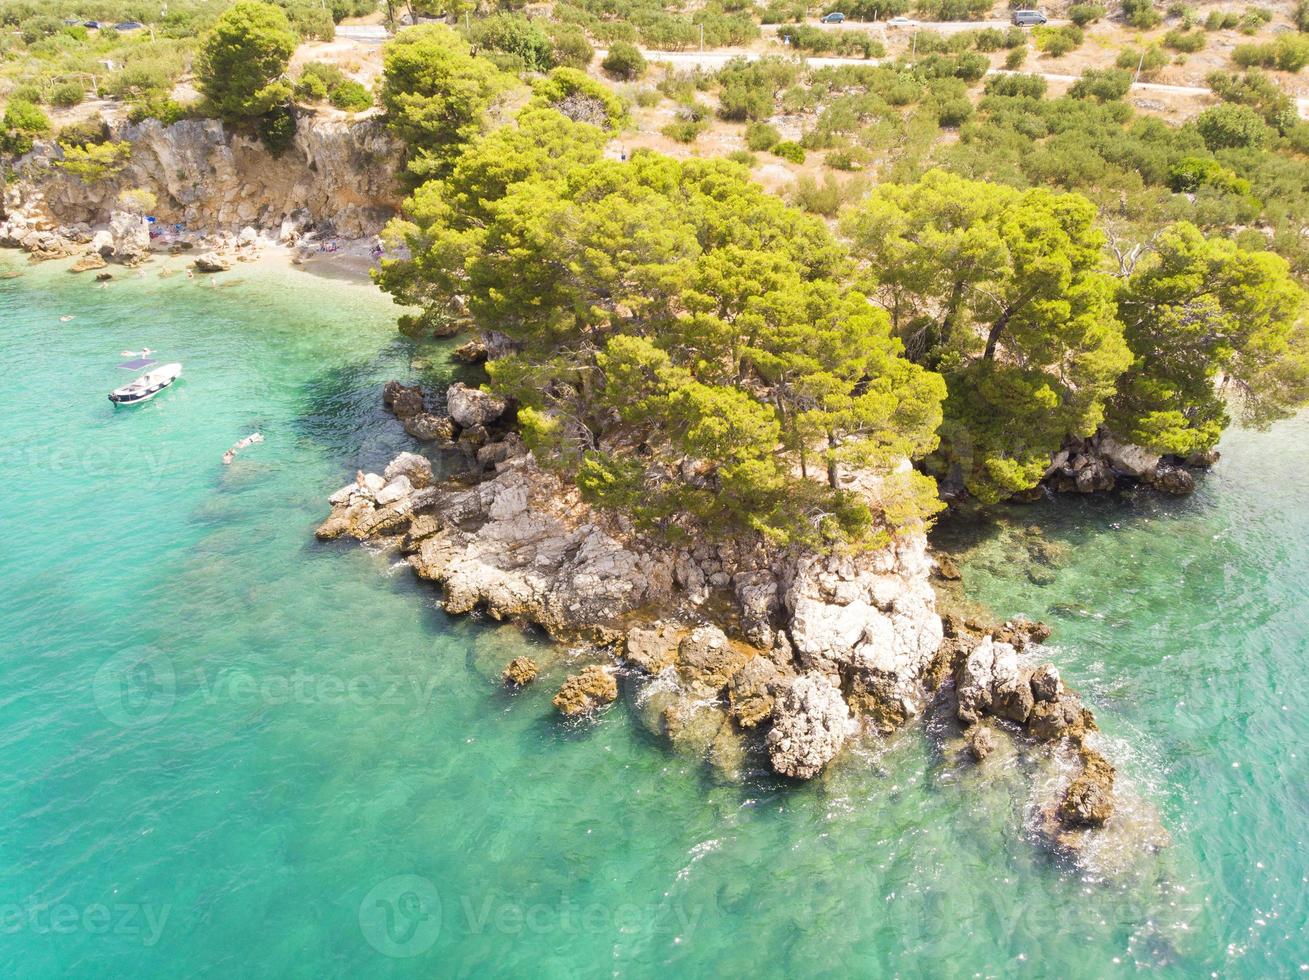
[228, 750]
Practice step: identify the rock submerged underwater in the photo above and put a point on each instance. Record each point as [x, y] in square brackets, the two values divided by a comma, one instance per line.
[735, 651]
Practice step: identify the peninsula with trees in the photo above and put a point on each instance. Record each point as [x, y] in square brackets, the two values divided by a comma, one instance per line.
[706, 426]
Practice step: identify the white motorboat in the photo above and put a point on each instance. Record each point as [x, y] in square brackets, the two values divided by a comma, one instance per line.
[147, 386]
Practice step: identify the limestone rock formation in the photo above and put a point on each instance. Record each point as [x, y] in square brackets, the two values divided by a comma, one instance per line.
[520, 672]
[470, 407]
[870, 617]
[337, 178]
[211, 262]
[1089, 800]
[584, 692]
[417, 469]
[811, 722]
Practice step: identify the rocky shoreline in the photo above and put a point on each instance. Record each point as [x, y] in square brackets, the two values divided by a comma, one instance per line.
[734, 650]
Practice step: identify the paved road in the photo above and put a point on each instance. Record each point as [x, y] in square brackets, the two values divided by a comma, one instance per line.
[375, 33]
[942, 26]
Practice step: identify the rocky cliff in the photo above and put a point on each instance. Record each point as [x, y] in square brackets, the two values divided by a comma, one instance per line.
[337, 179]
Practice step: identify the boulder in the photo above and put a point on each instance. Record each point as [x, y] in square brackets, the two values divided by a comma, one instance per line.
[471, 407]
[810, 724]
[522, 544]
[102, 243]
[1046, 685]
[990, 668]
[1089, 801]
[401, 400]
[1013, 698]
[88, 262]
[654, 648]
[871, 614]
[1064, 716]
[706, 659]
[1127, 458]
[520, 672]
[397, 489]
[946, 568]
[421, 527]
[980, 742]
[471, 352]
[428, 427]
[211, 262]
[1176, 480]
[131, 236]
[750, 691]
[413, 467]
[583, 693]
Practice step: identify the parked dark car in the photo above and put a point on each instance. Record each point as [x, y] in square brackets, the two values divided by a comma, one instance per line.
[1025, 18]
[129, 25]
[835, 17]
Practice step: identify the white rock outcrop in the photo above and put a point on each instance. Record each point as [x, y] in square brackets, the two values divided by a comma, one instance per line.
[811, 722]
[871, 615]
[471, 407]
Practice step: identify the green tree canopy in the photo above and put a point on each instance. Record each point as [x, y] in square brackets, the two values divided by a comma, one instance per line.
[241, 60]
[1204, 319]
[436, 95]
[687, 349]
[1005, 292]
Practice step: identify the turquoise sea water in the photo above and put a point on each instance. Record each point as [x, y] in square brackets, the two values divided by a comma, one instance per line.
[229, 750]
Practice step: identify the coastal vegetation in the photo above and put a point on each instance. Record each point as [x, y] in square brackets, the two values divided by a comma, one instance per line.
[983, 275]
[688, 349]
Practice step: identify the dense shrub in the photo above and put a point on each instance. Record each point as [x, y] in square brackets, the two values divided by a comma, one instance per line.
[1259, 92]
[787, 150]
[1231, 126]
[23, 123]
[1025, 86]
[67, 94]
[1058, 41]
[749, 88]
[1102, 84]
[160, 107]
[624, 61]
[1187, 42]
[521, 44]
[1191, 173]
[352, 96]
[1290, 52]
[1141, 13]
[569, 47]
[760, 136]
[1082, 14]
[94, 130]
[242, 59]
[1148, 62]
[91, 162]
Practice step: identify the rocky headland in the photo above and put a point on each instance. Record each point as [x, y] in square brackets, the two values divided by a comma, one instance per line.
[731, 650]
